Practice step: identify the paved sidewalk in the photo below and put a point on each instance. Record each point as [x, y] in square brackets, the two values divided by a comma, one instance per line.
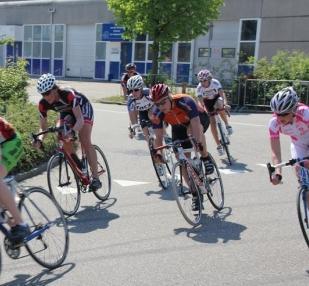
[92, 89]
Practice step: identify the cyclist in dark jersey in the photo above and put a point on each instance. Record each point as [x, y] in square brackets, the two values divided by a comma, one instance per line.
[11, 151]
[130, 71]
[74, 109]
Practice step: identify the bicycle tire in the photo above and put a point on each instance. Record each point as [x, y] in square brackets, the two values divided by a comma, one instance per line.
[165, 173]
[302, 213]
[224, 143]
[63, 184]
[40, 210]
[183, 195]
[104, 176]
[210, 184]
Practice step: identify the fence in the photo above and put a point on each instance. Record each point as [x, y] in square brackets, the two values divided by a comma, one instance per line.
[255, 94]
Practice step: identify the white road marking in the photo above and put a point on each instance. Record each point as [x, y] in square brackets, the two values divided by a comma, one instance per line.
[248, 124]
[262, 165]
[232, 172]
[66, 190]
[125, 183]
[112, 111]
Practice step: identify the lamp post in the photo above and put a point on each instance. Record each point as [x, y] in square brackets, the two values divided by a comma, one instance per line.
[51, 12]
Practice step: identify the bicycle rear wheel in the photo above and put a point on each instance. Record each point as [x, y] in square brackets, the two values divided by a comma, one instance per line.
[104, 175]
[163, 170]
[63, 184]
[48, 242]
[183, 192]
[302, 212]
[225, 143]
[214, 187]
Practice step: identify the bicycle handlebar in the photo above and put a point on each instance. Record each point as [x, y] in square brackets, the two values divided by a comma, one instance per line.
[291, 162]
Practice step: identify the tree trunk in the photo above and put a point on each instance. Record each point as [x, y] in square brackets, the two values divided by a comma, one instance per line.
[154, 70]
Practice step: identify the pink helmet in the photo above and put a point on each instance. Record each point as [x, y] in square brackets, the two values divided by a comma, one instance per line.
[204, 75]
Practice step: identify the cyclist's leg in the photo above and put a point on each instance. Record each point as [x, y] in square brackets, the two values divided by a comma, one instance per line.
[209, 104]
[143, 119]
[11, 152]
[219, 106]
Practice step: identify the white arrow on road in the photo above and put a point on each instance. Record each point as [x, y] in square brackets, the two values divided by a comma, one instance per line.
[125, 183]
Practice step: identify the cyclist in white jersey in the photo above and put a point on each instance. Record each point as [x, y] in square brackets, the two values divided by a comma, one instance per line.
[211, 95]
[290, 118]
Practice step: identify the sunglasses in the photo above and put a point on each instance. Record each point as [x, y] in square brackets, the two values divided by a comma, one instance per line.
[282, 114]
[46, 93]
[161, 103]
[136, 89]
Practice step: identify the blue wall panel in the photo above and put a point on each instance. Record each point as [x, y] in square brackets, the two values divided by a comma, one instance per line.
[36, 66]
[114, 70]
[45, 66]
[99, 70]
[182, 73]
[58, 67]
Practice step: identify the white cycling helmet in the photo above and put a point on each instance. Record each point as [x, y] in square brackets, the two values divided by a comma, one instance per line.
[204, 75]
[135, 82]
[284, 101]
[45, 83]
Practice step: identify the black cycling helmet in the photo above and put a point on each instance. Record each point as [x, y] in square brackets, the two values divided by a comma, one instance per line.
[130, 66]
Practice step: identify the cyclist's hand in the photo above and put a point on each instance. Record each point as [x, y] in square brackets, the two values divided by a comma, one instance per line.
[276, 179]
[37, 143]
[158, 158]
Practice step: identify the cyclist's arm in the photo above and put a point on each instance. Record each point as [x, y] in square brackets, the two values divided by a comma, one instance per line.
[276, 158]
[43, 126]
[159, 132]
[79, 118]
[222, 94]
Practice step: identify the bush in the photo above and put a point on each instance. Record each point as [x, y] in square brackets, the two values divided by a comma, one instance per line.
[25, 118]
[22, 114]
[13, 82]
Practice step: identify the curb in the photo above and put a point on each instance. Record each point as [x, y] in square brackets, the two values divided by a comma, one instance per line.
[111, 102]
[29, 174]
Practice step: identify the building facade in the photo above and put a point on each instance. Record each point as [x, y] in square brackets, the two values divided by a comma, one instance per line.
[78, 38]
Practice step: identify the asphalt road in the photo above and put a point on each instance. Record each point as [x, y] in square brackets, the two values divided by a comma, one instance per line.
[138, 236]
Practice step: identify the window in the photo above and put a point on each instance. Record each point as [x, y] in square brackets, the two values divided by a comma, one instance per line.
[140, 52]
[204, 52]
[166, 55]
[150, 52]
[228, 53]
[248, 44]
[184, 51]
[100, 51]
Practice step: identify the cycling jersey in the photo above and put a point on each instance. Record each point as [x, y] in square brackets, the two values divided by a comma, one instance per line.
[125, 77]
[141, 104]
[184, 108]
[69, 98]
[209, 92]
[11, 145]
[298, 130]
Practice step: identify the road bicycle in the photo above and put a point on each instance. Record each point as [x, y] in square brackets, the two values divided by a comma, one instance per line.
[162, 169]
[68, 175]
[303, 192]
[48, 241]
[223, 135]
[190, 182]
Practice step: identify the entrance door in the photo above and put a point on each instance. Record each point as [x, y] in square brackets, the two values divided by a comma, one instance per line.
[126, 55]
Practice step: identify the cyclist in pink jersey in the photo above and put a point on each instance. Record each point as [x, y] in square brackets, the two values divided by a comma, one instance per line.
[290, 118]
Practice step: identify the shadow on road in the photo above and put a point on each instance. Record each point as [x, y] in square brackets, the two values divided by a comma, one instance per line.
[44, 278]
[92, 217]
[214, 228]
[162, 194]
[236, 166]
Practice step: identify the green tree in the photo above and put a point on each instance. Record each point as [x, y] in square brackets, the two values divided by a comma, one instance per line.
[165, 21]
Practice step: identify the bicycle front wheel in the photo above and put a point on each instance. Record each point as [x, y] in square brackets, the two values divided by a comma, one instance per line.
[48, 242]
[63, 184]
[214, 186]
[163, 170]
[104, 175]
[185, 191]
[302, 212]
[225, 143]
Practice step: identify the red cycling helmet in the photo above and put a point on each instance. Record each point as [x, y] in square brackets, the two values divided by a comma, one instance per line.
[159, 91]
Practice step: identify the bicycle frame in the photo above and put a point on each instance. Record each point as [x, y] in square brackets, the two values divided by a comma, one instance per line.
[84, 178]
